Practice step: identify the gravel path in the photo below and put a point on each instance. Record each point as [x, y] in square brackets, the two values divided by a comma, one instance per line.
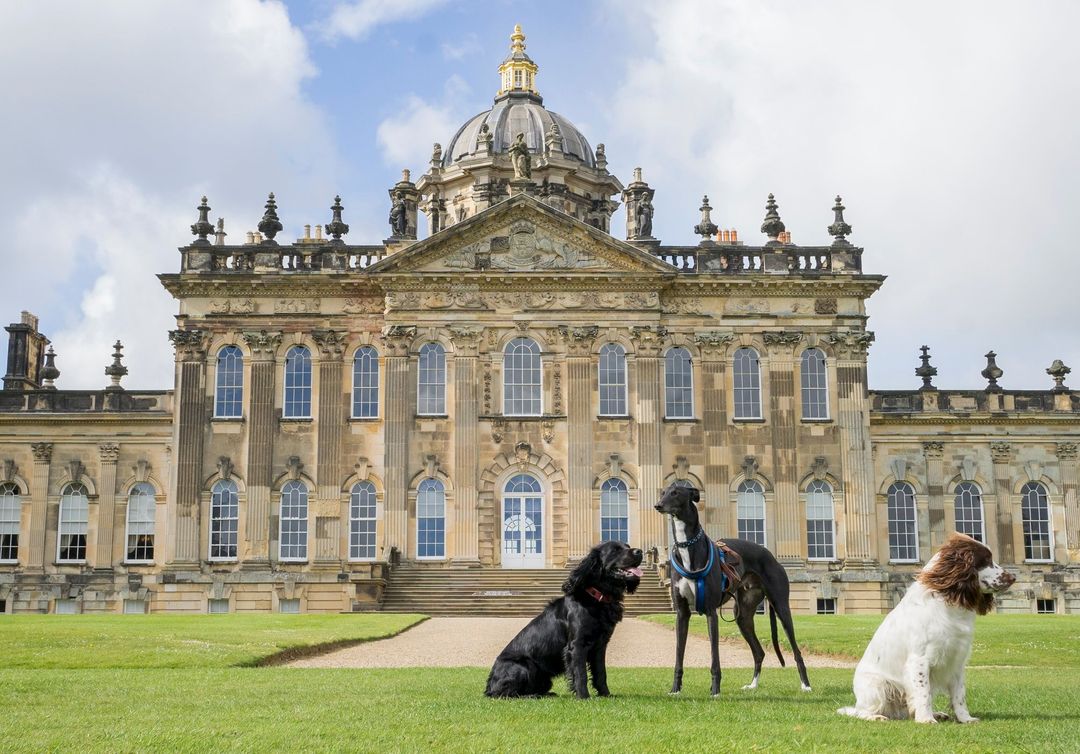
[463, 642]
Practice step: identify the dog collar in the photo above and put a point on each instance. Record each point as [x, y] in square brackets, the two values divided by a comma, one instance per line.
[690, 541]
[597, 595]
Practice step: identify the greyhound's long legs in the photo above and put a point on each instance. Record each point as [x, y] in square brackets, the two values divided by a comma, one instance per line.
[682, 626]
[747, 604]
[714, 646]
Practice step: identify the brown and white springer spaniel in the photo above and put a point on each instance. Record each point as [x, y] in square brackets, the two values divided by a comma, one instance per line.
[922, 646]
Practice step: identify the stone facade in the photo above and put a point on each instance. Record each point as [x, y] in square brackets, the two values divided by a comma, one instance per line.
[338, 409]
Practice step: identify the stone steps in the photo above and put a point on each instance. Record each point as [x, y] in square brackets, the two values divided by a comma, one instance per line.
[496, 592]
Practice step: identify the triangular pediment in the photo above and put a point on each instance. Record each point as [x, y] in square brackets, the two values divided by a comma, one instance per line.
[520, 235]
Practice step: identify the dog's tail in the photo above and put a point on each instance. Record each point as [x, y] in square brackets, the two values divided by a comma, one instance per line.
[775, 639]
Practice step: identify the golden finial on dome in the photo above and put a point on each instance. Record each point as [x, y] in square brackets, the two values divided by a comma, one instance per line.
[518, 72]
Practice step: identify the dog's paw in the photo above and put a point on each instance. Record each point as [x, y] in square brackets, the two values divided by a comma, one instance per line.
[750, 686]
[805, 689]
[674, 693]
[928, 720]
[942, 717]
[967, 720]
[878, 718]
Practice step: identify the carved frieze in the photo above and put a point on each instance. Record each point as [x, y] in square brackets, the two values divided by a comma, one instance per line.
[578, 340]
[363, 305]
[825, 306]
[469, 297]
[782, 338]
[263, 344]
[232, 306]
[747, 306]
[297, 306]
[713, 343]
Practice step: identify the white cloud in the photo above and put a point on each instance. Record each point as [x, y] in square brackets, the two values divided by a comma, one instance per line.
[117, 134]
[406, 138]
[356, 20]
[462, 47]
[941, 125]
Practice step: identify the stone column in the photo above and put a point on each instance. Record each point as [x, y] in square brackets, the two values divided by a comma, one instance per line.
[190, 425]
[327, 509]
[934, 454]
[713, 347]
[466, 442]
[261, 429]
[857, 463]
[397, 339]
[787, 513]
[106, 507]
[1001, 454]
[39, 504]
[647, 343]
[579, 392]
[1066, 453]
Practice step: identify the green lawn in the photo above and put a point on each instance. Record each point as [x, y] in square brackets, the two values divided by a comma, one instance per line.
[1047, 641]
[62, 701]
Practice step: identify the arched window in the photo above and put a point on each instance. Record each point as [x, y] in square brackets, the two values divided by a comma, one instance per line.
[229, 396]
[819, 521]
[746, 378]
[365, 383]
[678, 385]
[612, 380]
[969, 510]
[297, 383]
[140, 524]
[362, 521]
[815, 385]
[614, 511]
[1035, 514]
[750, 511]
[224, 520]
[10, 514]
[294, 517]
[903, 532]
[431, 380]
[430, 519]
[74, 518]
[521, 378]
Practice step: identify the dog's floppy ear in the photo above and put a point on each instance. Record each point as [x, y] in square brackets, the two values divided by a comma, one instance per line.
[694, 494]
[586, 572]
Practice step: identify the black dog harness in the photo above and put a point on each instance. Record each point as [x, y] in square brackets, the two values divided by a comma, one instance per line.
[698, 577]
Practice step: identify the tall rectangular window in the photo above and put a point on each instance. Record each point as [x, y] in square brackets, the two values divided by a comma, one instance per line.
[229, 394]
[612, 380]
[678, 384]
[362, 521]
[365, 383]
[521, 378]
[140, 524]
[969, 510]
[74, 519]
[750, 511]
[294, 521]
[746, 378]
[297, 383]
[903, 532]
[1035, 515]
[224, 520]
[10, 514]
[431, 380]
[819, 521]
[431, 519]
[815, 385]
[614, 511]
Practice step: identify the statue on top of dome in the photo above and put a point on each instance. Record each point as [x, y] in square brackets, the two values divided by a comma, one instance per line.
[521, 159]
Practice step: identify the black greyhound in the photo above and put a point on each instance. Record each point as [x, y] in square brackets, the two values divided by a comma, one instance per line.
[762, 577]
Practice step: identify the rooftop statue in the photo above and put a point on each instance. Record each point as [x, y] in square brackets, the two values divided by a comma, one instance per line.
[521, 159]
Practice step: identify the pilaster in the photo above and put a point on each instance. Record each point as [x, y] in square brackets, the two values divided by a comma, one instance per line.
[934, 453]
[854, 423]
[787, 511]
[713, 347]
[39, 499]
[1066, 454]
[263, 346]
[579, 365]
[397, 340]
[327, 509]
[647, 344]
[190, 410]
[1001, 454]
[466, 440]
[106, 508]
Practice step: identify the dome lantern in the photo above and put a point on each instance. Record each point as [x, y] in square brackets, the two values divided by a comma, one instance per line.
[517, 73]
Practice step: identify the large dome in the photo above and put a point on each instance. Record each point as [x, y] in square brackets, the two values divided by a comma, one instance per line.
[516, 113]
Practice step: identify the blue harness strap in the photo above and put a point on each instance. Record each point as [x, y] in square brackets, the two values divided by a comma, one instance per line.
[698, 577]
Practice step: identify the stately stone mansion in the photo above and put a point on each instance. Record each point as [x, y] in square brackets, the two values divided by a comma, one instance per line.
[505, 393]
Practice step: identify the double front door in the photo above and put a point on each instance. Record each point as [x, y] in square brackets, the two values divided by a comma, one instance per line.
[522, 523]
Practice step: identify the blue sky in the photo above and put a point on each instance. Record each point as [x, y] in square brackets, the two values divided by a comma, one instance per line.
[947, 128]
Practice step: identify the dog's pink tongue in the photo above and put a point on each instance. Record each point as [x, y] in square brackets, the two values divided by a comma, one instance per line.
[636, 572]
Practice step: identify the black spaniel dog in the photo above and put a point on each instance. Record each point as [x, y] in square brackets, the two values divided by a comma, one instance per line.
[573, 630]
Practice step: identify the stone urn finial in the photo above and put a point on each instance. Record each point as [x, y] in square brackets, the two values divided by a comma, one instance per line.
[992, 373]
[1059, 371]
[336, 228]
[203, 227]
[116, 370]
[270, 225]
[839, 230]
[773, 226]
[925, 370]
[706, 228]
[49, 372]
